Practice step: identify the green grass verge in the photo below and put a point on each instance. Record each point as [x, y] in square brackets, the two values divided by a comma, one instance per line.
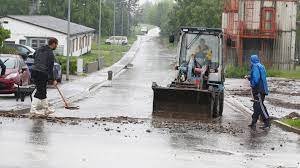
[291, 122]
[110, 53]
[237, 72]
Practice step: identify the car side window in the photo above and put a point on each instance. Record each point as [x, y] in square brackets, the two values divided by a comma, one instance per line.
[23, 50]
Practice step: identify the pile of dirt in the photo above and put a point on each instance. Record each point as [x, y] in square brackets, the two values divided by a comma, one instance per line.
[293, 115]
[281, 103]
[180, 126]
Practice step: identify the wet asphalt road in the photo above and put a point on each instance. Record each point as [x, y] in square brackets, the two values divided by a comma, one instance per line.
[131, 94]
[142, 142]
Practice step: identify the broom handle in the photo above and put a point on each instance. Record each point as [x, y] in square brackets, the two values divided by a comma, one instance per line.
[66, 104]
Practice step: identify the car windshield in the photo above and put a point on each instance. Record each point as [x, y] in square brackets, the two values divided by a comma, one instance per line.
[202, 47]
[9, 62]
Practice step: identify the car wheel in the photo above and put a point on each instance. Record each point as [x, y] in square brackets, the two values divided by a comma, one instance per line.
[221, 101]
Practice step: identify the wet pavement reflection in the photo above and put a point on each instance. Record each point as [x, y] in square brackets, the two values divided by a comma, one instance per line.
[119, 131]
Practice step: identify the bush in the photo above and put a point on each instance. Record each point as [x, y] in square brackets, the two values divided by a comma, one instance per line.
[236, 72]
[6, 50]
[63, 61]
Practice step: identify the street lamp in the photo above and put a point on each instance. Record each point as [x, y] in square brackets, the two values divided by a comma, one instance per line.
[114, 33]
[68, 41]
[100, 22]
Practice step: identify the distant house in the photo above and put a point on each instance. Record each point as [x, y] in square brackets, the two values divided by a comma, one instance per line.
[34, 31]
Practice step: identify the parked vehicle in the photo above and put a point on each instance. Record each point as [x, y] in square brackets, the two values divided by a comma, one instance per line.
[117, 40]
[17, 73]
[144, 30]
[24, 51]
[27, 54]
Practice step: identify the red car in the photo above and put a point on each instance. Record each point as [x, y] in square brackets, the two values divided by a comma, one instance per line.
[17, 73]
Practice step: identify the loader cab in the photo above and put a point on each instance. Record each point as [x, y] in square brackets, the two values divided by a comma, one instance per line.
[205, 46]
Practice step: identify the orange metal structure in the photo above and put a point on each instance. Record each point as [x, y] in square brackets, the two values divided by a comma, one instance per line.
[248, 27]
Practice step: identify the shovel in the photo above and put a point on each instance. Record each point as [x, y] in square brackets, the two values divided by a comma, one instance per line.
[67, 106]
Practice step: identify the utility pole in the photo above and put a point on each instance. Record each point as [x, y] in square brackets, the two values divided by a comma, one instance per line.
[100, 23]
[122, 20]
[68, 41]
[84, 4]
[128, 18]
[114, 33]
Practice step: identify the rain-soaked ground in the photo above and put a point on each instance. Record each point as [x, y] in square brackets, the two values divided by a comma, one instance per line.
[114, 128]
[284, 97]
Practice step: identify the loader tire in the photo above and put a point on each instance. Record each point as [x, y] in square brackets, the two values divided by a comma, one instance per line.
[221, 103]
[216, 107]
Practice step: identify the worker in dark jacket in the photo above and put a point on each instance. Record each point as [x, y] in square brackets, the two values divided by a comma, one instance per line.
[259, 88]
[3, 68]
[42, 72]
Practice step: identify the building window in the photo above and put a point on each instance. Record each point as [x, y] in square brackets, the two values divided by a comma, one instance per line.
[9, 42]
[86, 41]
[73, 45]
[22, 42]
[37, 43]
[59, 50]
[80, 42]
[268, 19]
[76, 44]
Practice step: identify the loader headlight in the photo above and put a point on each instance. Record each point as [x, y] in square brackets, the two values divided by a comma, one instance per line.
[11, 76]
[213, 70]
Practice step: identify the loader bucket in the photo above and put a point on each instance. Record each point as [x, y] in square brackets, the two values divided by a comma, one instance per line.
[187, 103]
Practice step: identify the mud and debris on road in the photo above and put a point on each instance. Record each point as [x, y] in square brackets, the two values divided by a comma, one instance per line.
[283, 98]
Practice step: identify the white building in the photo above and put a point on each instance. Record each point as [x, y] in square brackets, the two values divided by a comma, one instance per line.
[34, 31]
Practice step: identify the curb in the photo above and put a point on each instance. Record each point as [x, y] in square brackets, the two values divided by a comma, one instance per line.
[286, 127]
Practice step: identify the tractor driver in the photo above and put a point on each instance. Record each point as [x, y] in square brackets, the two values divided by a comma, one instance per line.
[203, 54]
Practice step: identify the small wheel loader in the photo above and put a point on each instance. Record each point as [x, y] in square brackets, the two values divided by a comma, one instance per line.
[198, 89]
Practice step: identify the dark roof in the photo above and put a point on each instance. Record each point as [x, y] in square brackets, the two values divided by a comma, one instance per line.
[52, 23]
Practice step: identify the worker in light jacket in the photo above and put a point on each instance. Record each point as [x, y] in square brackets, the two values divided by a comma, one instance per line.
[259, 88]
[42, 73]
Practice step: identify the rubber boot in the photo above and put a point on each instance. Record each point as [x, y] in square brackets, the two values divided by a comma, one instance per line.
[252, 126]
[35, 109]
[267, 125]
[45, 106]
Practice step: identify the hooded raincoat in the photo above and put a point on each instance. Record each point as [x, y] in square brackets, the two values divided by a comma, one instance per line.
[258, 79]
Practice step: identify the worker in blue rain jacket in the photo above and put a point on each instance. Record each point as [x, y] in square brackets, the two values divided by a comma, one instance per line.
[259, 86]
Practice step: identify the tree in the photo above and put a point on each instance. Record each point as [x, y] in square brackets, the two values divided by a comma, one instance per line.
[4, 34]
[86, 12]
[170, 16]
[14, 7]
